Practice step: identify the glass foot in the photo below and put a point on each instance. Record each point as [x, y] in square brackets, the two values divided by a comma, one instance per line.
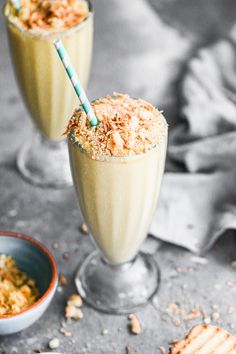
[118, 289]
[45, 163]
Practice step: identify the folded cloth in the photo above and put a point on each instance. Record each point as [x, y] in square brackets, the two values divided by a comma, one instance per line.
[199, 205]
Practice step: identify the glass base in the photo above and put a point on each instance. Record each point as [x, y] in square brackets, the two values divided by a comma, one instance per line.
[118, 289]
[45, 163]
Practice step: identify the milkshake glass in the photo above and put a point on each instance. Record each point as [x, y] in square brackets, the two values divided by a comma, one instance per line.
[47, 94]
[117, 197]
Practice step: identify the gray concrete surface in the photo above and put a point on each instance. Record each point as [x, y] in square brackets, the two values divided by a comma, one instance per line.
[52, 215]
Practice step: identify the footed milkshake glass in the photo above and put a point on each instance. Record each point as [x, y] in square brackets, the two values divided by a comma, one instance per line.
[117, 196]
[48, 95]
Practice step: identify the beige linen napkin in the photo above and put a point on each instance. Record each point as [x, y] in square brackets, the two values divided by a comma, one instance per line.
[199, 205]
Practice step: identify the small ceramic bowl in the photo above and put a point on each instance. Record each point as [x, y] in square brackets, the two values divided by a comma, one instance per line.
[35, 260]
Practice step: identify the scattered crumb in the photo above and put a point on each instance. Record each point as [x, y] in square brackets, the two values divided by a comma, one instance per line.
[74, 313]
[215, 306]
[174, 309]
[72, 310]
[66, 255]
[62, 279]
[128, 350]
[215, 316]
[75, 300]
[177, 322]
[178, 269]
[84, 228]
[177, 314]
[195, 313]
[231, 310]
[134, 324]
[65, 332]
[54, 343]
[55, 245]
[104, 332]
[162, 349]
[230, 284]
[59, 289]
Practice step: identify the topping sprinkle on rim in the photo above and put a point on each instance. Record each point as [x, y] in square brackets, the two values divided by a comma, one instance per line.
[126, 127]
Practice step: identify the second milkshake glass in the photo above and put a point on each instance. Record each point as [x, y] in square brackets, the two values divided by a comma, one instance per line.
[117, 196]
[48, 96]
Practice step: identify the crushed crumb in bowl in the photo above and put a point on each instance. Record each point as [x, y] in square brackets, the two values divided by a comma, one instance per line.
[17, 290]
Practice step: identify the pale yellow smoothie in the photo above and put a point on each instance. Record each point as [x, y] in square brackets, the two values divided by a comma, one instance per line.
[117, 170]
[42, 80]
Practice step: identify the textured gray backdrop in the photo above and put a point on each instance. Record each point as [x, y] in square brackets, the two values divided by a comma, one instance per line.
[140, 48]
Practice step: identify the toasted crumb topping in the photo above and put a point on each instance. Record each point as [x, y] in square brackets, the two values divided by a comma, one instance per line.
[126, 126]
[49, 15]
[17, 290]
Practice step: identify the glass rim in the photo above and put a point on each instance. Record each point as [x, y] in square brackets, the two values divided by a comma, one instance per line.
[46, 34]
[72, 141]
[103, 158]
[110, 158]
[98, 157]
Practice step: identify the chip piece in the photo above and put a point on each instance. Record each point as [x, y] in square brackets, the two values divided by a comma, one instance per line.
[206, 339]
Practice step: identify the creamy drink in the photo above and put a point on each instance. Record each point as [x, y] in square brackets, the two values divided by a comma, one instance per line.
[117, 170]
[43, 84]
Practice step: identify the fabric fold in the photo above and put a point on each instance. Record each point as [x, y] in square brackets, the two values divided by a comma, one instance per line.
[199, 205]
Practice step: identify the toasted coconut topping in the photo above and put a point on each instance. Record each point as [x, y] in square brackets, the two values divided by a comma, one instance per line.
[126, 126]
[49, 15]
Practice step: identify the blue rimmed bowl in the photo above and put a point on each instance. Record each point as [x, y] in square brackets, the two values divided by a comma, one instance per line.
[36, 261]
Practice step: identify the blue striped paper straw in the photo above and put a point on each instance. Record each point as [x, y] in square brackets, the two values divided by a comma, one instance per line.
[75, 82]
[16, 4]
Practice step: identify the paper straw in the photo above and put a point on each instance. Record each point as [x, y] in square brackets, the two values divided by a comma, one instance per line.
[16, 4]
[75, 82]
